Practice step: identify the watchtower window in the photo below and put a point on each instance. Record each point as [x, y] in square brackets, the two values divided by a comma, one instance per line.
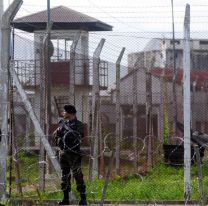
[176, 41]
[61, 49]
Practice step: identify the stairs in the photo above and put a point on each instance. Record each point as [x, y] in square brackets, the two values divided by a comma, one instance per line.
[60, 101]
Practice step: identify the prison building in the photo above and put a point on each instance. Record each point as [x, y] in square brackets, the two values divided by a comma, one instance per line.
[162, 52]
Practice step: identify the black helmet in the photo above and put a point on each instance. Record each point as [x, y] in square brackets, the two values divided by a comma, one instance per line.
[70, 109]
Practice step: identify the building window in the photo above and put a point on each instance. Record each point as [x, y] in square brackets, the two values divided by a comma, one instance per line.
[203, 42]
[176, 41]
[206, 127]
[199, 61]
[198, 126]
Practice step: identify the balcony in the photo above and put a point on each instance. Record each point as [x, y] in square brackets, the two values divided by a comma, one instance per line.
[31, 73]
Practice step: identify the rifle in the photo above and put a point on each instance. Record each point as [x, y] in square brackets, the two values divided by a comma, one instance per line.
[199, 138]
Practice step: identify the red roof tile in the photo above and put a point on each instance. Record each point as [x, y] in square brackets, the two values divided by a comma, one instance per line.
[200, 76]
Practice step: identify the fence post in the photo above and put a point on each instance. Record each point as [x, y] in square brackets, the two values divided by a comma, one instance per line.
[1, 13]
[36, 123]
[107, 178]
[174, 76]
[186, 103]
[118, 113]
[13, 146]
[46, 104]
[149, 125]
[7, 17]
[72, 69]
[135, 109]
[199, 165]
[96, 107]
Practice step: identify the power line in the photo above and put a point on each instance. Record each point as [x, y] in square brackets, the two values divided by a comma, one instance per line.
[124, 7]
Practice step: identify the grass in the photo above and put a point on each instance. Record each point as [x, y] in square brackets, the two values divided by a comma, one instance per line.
[154, 186]
[161, 183]
[28, 169]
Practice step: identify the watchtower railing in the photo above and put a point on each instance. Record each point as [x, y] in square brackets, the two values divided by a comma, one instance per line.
[29, 72]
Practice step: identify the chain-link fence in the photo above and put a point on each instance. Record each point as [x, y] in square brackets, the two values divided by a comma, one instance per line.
[131, 105]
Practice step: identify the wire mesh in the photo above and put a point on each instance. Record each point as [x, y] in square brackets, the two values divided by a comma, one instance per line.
[148, 142]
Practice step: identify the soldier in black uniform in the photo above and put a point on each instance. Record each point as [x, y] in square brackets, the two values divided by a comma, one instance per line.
[68, 137]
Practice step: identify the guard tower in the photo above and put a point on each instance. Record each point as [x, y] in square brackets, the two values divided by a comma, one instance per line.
[67, 23]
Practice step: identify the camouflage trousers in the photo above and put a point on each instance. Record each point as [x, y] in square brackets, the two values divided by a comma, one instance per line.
[71, 163]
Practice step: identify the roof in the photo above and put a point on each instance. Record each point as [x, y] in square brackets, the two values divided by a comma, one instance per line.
[199, 76]
[153, 45]
[63, 18]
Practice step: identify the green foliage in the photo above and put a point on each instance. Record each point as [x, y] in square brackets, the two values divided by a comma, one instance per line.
[29, 166]
[161, 183]
[21, 139]
[166, 128]
[28, 162]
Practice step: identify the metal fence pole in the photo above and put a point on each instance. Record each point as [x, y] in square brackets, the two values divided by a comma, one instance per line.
[107, 178]
[42, 154]
[149, 126]
[7, 17]
[96, 107]
[13, 146]
[135, 125]
[118, 113]
[72, 69]
[174, 76]
[186, 103]
[1, 13]
[200, 177]
[36, 123]
[46, 106]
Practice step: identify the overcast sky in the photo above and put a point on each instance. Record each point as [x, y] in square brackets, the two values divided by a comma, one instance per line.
[138, 18]
[134, 15]
[134, 22]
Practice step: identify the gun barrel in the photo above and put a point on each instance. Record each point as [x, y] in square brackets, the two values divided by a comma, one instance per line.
[180, 126]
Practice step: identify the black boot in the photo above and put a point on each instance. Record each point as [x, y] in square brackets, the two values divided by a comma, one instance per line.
[83, 200]
[65, 200]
